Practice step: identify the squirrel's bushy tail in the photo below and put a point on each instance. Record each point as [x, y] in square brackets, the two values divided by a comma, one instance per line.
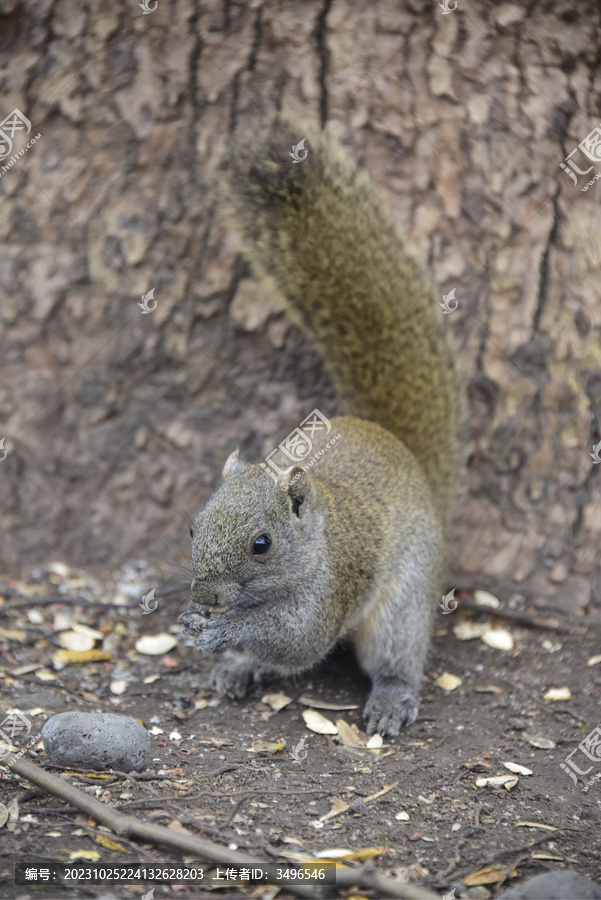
[316, 228]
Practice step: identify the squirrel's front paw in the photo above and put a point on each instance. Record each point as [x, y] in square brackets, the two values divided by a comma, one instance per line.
[390, 706]
[209, 631]
[192, 622]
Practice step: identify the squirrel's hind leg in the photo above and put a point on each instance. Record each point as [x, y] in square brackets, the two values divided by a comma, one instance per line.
[391, 642]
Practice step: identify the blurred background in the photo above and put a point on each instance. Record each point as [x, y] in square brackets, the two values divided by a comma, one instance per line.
[116, 423]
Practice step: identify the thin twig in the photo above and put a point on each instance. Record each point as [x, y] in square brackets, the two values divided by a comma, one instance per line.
[158, 802]
[520, 618]
[235, 811]
[48, 601]
[263, 791]
[191, 820]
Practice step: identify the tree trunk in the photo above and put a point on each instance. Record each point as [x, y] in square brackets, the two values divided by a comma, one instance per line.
[117, 423]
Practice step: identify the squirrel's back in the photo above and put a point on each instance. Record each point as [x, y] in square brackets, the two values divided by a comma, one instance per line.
[317, 229]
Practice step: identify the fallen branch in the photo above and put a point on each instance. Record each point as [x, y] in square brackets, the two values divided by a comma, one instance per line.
[129, 827]
[510, 615]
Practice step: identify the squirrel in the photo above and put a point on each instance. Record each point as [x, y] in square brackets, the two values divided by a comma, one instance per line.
[354, 550]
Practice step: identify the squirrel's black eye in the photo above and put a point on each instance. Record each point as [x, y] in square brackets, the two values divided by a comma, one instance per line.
[261, 545]
[191, 531]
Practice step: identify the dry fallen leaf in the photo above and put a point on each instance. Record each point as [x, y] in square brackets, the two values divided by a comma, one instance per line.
[466, 630]
[73, 640]
[91, 855]
[85, 629]
[24, 670]
[108, 844]
[488, 875]
[354, 855]
[402, 817]
[348, 736]
[266, 747]
[498, 639]
[375, 742]
[78, 657]
[318, 723]
[484, 598]
[515, 767]
[506, 781]
[594, 660]
[556, 694]
[541, 742]
[323, 704]
[489, 689]
[448, 682]
[45, 675]
[535, 825]
[3, 815]
[155, 644]
[276, 701]
[13, 634]
[59, 568]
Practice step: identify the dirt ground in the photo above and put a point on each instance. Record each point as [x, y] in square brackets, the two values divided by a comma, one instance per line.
[415, 802]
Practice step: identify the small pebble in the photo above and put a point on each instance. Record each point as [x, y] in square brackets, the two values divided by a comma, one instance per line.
[96, 741]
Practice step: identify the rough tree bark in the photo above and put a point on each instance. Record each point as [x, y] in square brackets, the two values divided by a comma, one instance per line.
[116, 422]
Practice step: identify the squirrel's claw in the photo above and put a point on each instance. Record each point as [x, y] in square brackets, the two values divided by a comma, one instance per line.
[231, 679]
[388, 710]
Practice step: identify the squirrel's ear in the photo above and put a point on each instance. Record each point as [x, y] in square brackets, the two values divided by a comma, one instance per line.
[233, 465]
[295, 483]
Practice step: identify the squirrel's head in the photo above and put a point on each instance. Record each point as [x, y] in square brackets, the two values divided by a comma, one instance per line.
[254, 533]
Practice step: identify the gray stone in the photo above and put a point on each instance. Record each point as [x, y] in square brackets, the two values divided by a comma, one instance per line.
[96, 741]
[564, 885]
